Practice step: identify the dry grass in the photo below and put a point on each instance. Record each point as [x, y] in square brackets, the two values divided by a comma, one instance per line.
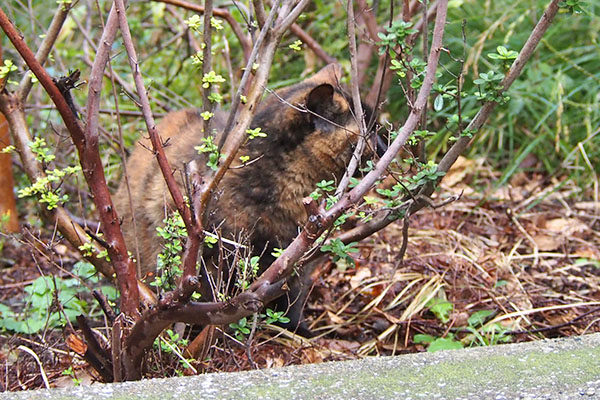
[526, 252]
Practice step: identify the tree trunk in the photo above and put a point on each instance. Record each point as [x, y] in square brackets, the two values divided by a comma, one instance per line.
[7, 196]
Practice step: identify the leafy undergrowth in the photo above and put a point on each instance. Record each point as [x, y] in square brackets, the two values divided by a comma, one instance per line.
[510, 264]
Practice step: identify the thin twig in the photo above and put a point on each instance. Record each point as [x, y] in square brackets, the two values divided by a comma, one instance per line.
[358, 110]
[259, 12]
[157, 147]
[47, 43]
[246, 76]
[193, 225]
[513, 73]
[39, 363]
[462, 143]
[207, 106]
[93, 172]
[319, 221]
[169, 308]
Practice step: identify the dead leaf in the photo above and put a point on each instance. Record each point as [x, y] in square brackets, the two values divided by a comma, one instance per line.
[60, 249]
[589, 252]
[84, 378]
[565, 226]
[555, 232]
[508, 193]
[548, 242]
[360, 275]
[76, 344]
[459, 170]
[274, 362]
[201, 344]
[312, 355]
[337, 345]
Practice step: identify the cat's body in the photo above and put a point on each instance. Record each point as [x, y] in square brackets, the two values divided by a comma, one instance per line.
[262, 199]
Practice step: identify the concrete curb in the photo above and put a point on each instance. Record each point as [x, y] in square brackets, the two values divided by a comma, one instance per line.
[550, 369]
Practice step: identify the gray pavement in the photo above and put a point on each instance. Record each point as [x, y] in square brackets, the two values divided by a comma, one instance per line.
[551, 369]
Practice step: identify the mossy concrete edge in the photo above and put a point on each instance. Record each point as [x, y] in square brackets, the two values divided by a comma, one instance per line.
[549, 369]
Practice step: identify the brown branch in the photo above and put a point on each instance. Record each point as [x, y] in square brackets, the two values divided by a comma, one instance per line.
[358, 110]
[47, 43]
[320, 222]
[94, 353]
[235, 129]
[11, 107]
[513, 73]
[370, 21]
[411, 123]
[207, 64]
[193, 246]
[286, 18]
[382, 81]
[423, 122]
[245, 78]
[365, 230]
[174, 306]
[193, 225]
[261, 17]
[8, 204]
[406, 10]
[369, 44]
[93, 172]
[259, 11]
[126, 87]
[155, 139]
[155, 321]
[234, 133]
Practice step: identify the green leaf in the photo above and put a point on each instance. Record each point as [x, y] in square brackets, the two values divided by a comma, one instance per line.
[479, 317]
[444, 344]
[438, 103]
[441, 308]
[421, 338]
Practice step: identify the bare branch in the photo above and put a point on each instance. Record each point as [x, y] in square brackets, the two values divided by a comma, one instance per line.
[207, 64]
[261, 17]
[157, 147]
[193, 225]
[383, 81]
[320, 222]
[11, 107]
[513, 73]
[171, 308]
[235, 129]
[93, 172]
[246, 76]
[290, 17]
[411, 123]
[383, 220]
[259, 11]
[47, 43]
[370, 21]
[155, 321]
[358, 110]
